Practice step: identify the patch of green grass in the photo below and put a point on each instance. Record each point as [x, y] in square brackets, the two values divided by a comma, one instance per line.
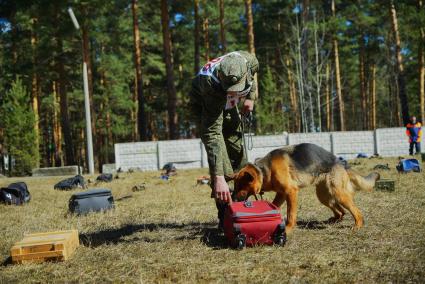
[167, 233]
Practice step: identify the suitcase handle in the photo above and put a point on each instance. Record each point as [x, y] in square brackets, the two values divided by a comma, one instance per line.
[248, 204]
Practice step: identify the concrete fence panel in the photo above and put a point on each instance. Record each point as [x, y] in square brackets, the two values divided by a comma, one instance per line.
[349, 144]
[191, 153]
[322, 139]
[392, 141]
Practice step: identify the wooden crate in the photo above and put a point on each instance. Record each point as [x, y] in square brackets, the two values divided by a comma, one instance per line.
[385, 185]
[49, 246]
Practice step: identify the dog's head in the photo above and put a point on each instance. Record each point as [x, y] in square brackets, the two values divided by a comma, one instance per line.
[248, 181]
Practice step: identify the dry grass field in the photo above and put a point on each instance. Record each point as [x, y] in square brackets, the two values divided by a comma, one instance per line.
[167, 233]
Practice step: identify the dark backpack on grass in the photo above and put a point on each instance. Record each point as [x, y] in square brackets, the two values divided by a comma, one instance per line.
[15, 194]
[104, 178]
[71, 183]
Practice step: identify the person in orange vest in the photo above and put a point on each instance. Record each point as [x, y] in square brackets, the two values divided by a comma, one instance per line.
[414, 131]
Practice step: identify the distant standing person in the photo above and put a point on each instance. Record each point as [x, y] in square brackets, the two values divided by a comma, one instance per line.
[214, 99]
[414, 131]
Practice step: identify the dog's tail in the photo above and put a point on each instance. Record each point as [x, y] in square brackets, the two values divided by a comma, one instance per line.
[363, 183]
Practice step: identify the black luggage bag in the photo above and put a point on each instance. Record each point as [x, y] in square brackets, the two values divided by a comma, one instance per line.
[71, 183]
[91, 201]
[104, 178]
[15, 193]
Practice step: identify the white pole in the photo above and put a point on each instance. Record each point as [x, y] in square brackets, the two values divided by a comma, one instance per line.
[86, 102]
[88, 120]
[73, 18]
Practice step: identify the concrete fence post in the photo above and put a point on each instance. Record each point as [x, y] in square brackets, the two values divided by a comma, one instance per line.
[203, 158]
[333, 143]
[159, 154]
[117, 156]
[376, 142]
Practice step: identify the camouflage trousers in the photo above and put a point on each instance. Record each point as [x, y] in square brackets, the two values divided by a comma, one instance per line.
[233, 138]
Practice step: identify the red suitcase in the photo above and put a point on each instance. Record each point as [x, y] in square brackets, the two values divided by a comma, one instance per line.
[254, 222]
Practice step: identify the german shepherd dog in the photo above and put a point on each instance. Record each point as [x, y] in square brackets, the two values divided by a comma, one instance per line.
[290, 168]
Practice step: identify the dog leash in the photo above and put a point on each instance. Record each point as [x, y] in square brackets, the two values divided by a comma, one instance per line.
[246, 123]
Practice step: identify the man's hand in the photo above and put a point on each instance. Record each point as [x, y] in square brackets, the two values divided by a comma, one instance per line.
[221, 188]
[248, 106]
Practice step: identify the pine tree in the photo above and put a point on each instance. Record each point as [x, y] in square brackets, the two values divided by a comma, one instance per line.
[18, 122]
[270, 108]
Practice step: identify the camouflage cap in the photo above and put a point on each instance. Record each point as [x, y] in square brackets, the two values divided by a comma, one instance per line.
[233, 72]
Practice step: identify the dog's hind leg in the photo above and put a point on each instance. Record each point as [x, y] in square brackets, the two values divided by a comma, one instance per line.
[346, 200]
[342, 191]
[339, 213]
[327, 199]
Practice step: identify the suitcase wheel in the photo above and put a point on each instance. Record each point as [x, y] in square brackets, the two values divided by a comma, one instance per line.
[239, 242]
[280, 235]
[280, 240]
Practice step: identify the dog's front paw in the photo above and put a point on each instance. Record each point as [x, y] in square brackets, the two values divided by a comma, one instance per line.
[289, 229]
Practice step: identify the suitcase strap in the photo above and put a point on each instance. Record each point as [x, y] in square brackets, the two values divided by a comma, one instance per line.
[261, 196]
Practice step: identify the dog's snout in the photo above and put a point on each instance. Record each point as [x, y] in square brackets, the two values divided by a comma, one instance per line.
[241, 196]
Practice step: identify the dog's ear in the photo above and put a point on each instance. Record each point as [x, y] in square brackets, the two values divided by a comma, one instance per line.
[248, 177]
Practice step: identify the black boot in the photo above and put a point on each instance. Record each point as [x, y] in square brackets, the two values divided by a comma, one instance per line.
[221, 208]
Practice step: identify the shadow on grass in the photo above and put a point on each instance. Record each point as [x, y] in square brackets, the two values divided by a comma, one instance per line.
[311, 224]
[7, 261]
[206, 232]
[318, 225]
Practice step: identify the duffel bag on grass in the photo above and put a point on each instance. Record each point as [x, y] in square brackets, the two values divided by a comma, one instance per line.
[15, 194]
[71, 183]
[408, 165]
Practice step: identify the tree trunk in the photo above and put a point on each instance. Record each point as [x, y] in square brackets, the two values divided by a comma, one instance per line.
[250, 34]
[100, 137]
[421, 66]
[196, 36]
[305, 64]
[168, 58]
[140, 99]
[60, 69]
[338, 76]
[318, 77]
[300, 80]
[109, 137]
[223, 42]
[327, 95]
[250, 26]
[57, 130]
[293, 97]
[362, 80]
[35, 98]
[400, 69]
[205, 28]
[82, 160]
[372, 91]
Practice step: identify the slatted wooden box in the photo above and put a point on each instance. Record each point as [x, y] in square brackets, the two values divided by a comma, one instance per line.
[49, 246]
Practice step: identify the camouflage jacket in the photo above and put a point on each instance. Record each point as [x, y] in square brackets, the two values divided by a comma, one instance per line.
[208, 101]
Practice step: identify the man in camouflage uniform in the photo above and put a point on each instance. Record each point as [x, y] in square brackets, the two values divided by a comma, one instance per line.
[214, 97]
